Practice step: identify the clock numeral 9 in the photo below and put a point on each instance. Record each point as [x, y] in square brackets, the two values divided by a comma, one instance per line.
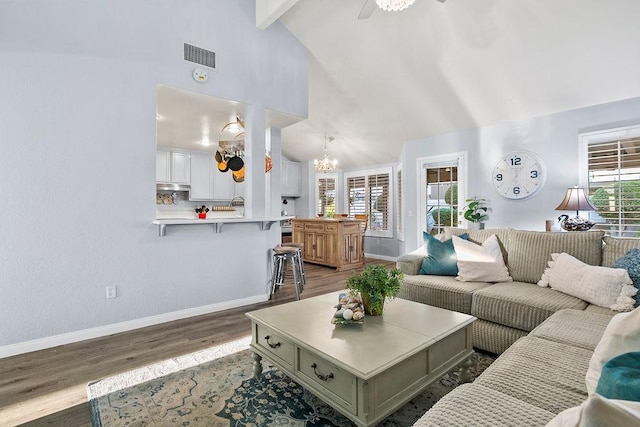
[516, 190]
[533, 174]
[516, 161]
[499, 177]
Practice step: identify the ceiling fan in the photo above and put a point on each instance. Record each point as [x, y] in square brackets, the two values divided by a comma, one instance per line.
[370, 6]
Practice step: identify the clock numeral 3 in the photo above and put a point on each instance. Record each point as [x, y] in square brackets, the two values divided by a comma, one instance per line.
[533, 174]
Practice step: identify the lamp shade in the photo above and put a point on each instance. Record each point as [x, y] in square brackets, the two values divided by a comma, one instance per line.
[575, 200]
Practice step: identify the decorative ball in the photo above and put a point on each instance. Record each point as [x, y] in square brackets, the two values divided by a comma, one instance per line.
[347, 314]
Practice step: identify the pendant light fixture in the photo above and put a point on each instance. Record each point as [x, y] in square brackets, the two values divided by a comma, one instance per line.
[394, 5]
[326, 164]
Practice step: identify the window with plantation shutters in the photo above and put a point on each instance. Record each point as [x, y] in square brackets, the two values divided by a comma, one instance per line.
[613, 180]
[326, 194]
[370, 193]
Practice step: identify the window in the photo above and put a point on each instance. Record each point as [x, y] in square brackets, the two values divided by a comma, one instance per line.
[442, 191]
[613, 180]
[399, 224]
[370, 193]
[326, 194]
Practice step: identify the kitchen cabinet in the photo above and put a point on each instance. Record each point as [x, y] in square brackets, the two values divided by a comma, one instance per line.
[208, 183]
[334, 242]
[203, 169]
[290, 179]
[172, 167]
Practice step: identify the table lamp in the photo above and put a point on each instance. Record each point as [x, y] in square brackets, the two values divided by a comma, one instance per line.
[575, 200]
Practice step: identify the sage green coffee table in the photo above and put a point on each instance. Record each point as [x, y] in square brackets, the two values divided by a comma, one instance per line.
[364, 371]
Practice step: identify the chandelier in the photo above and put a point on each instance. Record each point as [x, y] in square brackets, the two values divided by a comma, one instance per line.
[326, 164]
[394, 5]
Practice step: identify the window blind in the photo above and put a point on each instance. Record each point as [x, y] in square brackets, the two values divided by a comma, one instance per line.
[614, 185]
[399, 224]
[326, 202]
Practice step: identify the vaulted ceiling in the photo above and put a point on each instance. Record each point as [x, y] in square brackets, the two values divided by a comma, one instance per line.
[436, 68]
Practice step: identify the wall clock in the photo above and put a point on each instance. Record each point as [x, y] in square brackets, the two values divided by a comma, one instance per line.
[519, 175]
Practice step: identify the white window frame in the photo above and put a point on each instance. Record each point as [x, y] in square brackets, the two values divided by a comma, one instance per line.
[318, 177]
[390, 213]
[399, 183]
[422, 163]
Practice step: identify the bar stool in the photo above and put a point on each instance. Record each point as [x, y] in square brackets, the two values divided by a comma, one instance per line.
[282, 254]
[300, 246]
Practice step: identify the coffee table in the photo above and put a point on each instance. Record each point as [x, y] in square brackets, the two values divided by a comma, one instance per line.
[364, 371]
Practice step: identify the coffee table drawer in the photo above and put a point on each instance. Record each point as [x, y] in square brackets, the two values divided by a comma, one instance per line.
[335, 384]
[274, 344]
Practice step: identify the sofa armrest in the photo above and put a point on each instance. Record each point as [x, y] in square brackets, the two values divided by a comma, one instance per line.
[410, 263]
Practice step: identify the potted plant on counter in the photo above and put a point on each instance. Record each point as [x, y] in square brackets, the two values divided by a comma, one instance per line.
[375, 284]
[476, 212]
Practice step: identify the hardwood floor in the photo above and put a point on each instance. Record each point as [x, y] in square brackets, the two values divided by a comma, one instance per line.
[48, 387]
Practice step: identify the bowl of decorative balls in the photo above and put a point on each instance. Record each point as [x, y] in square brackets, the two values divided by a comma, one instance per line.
[349, 310]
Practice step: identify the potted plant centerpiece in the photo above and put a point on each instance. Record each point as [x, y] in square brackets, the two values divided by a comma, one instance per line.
[375, 284]
[476, 212]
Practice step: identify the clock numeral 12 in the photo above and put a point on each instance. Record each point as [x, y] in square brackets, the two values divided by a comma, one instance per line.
[516, 161]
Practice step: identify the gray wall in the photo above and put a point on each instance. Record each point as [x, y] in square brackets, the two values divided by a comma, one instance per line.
[555, 138]
[77, 131]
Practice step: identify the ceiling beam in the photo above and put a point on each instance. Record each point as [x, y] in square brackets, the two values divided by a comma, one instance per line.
[268, 11]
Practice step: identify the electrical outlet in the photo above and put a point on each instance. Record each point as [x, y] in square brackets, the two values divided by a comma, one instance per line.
[111, 292]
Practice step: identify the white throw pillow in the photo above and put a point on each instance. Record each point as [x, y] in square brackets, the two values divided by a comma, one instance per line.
[603, 286]
[622, 335]
[480, 263]
[598, 411]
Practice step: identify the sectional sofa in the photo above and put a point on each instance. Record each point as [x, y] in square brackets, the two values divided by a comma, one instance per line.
[545, 338]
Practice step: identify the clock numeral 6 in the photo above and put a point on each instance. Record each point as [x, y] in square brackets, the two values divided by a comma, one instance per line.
[499, 177]
[516, 161]
[516, 190]
[533, 174]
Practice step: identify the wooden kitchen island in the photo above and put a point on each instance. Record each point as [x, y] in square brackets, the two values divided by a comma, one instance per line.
[335, 242]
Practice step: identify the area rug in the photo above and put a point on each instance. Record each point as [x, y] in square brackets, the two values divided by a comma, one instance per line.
[215, 387]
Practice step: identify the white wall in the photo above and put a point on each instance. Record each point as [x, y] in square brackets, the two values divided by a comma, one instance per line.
[77, 137]
[553, 137]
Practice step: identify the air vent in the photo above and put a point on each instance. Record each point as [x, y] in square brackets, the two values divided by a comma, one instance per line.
[199, 56]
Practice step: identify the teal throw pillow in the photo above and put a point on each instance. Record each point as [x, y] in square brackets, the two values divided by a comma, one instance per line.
[620, 378]
[441, 257]
[631, 262]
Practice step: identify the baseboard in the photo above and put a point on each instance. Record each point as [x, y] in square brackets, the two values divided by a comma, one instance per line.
[382, 257]
[101, 331]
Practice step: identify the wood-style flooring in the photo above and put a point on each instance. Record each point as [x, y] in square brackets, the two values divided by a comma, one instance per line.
[48, 387]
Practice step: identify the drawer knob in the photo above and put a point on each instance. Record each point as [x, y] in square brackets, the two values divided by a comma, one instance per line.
[320, 376]
[276, 345]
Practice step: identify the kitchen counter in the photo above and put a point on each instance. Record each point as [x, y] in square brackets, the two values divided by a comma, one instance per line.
[218, 222]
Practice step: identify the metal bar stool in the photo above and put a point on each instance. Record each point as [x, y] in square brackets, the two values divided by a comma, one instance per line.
[300, 246]
[282, 254]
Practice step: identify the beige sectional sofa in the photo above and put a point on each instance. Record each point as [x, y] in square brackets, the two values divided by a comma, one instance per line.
[545, 337]
[510, 310]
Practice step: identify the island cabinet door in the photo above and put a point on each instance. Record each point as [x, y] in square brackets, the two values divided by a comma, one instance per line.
[314, 247]
[351, 248]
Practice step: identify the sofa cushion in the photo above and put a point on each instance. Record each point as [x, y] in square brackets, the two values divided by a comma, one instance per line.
[620, 377]
[440, 259]
[603, 286]
[614, 248]
[578, 328]
[493, 337]
[591, 308]
[520, 305]
[597, 411]
[440, 291]
[622, 335]
[475, 405]
[546, 374]
[631, 262]
[479, 236]
[529, 251]
[480, 263]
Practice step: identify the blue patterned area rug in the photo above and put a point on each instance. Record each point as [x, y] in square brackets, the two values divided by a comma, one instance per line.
[215, 387]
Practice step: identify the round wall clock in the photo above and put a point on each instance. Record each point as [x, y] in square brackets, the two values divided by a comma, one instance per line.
[519, 175]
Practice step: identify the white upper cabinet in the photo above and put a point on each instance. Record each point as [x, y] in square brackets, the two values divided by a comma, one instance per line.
[172, 167]
[223, 185]
[202, 175]
[290, 179]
